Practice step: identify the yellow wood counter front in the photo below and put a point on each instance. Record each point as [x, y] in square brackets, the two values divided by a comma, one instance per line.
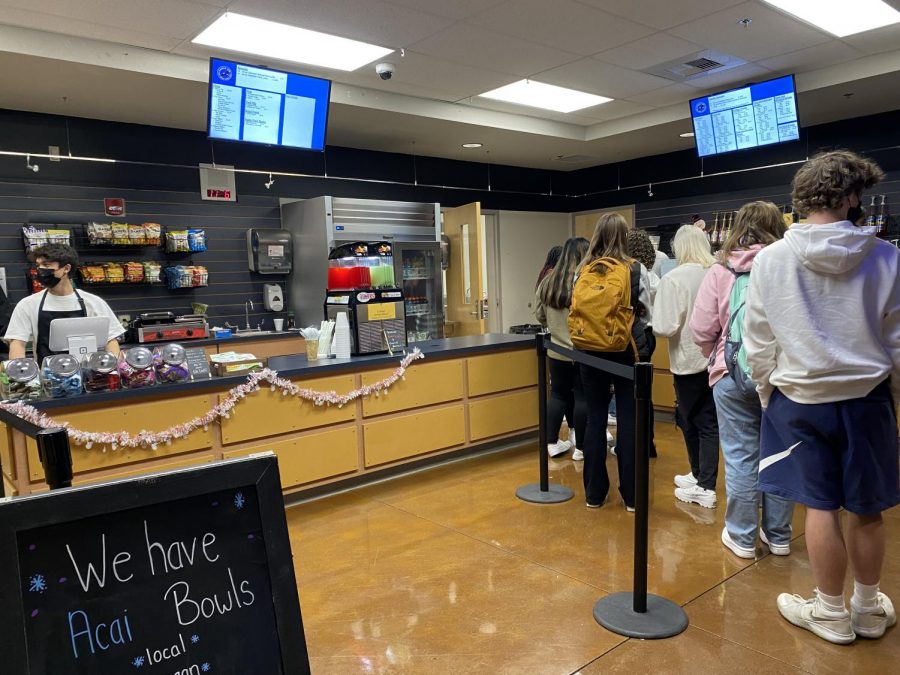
[444, 404]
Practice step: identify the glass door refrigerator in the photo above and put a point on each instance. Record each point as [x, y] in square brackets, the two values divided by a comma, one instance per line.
[417, 271]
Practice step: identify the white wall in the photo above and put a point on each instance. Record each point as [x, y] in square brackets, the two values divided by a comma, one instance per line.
[524, 239]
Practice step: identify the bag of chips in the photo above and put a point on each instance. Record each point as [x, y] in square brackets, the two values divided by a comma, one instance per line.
[134, 272]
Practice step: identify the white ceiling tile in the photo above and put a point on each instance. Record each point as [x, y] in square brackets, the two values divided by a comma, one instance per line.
[660, 98]
[169, 18]
[876, 41]
[661, 14]
[596, 77]
[564, 24]
[614, 110]
[771, 33]
[454, 9]
[813, 58]
[649, 51]
[373, 21]
[479, 47]
[93, 31]
[728, 79]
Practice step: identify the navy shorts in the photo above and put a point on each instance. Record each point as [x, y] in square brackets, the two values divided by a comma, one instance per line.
[832, 455]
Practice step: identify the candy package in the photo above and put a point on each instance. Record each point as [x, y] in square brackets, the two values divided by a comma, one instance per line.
[196, 240]
[61, 376]
[100, 373]
[20, 380]
[170, 363]
[136, 368]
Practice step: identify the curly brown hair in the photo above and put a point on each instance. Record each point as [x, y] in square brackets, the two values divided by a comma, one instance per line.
[826, 179]
[641, 248]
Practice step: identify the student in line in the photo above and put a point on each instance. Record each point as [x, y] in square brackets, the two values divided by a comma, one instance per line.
[823, 344]
[552, 258]
[610, 289]
[696, 408]
[552, 311]
[739, 413]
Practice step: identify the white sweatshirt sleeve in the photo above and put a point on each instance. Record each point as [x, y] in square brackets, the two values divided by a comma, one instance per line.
[759, 340]
[649, 284]
[892, 337]
[668, 309]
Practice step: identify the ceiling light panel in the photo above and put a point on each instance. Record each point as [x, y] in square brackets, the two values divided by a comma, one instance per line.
[239, 33]
[838, 17]
[545, 96]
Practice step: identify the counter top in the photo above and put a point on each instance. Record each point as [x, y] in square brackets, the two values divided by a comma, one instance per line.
[298, 366]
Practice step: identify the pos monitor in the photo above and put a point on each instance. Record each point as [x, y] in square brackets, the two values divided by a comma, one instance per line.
[79, 336]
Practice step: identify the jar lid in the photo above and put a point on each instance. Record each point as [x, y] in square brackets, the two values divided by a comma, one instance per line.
[173, 354]
[62, 365]
[139, 357]
[101, 362]
[22, 370]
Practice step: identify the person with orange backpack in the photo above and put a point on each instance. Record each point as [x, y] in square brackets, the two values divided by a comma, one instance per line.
[608, 318]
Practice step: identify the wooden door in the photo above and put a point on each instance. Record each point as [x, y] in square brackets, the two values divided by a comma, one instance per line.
[585, 223]
[465, 285]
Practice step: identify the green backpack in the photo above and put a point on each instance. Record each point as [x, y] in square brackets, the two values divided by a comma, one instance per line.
[735, 353]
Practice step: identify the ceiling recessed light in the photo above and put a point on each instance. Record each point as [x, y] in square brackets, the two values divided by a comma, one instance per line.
[239, 33]
[839, 18]
[687, 134]
[472, 145]
[545, 96]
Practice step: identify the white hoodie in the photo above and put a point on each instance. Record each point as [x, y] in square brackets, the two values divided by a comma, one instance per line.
[823, 314]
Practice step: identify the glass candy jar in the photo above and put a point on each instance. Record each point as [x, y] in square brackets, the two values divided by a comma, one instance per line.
[170, 362]
[100, 372]
[136, 368]
[20, 380]
[61, 376]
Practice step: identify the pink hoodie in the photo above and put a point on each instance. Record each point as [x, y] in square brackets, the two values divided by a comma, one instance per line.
[711, 311]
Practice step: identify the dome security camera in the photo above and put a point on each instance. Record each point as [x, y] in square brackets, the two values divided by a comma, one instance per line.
[385, 70]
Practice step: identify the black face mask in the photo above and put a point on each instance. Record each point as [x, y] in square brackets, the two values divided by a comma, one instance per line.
[47, 277]
[856, 213]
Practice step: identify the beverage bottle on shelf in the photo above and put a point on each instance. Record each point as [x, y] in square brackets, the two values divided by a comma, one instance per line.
[871, 213]
[881, 218]
[711, 235]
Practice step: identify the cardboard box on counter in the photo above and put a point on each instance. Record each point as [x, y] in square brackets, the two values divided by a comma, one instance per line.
[232, 363]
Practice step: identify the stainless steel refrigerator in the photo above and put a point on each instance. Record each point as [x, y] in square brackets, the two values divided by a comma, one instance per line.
[320, 225]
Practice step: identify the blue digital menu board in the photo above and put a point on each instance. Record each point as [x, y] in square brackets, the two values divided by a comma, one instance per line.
[260, 105]
[750, 117]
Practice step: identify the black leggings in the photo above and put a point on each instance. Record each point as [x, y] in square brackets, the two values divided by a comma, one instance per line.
[566, 399]
[696, 416]
[596, 393]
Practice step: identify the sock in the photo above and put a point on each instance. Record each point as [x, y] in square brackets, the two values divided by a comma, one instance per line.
[831, 603]
[865, 598]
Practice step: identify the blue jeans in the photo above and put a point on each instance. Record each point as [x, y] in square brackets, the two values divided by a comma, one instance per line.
[740, 418]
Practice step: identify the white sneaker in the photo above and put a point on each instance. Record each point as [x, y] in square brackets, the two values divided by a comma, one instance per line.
[611, 421]
[612, 451]
[629, 509]
[609, 439]
[577, 456]
[685, 481]
[809, 614]
[739, 551]
[873, 624]
[697, 495]
[558, 448]
[776, 549]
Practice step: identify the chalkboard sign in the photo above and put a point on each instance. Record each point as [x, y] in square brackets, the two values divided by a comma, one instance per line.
[184, 572]
[197, 363]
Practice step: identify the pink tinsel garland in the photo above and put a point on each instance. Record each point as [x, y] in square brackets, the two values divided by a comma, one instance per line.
[152, 439]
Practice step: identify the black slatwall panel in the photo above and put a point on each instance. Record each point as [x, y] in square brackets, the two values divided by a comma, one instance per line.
[231, 283]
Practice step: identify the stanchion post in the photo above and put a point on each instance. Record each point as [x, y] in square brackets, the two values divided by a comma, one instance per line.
[643, 395]
[542, 492]
[56, 457]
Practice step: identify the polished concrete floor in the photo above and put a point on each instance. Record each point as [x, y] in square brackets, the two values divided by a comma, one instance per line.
[445, 571]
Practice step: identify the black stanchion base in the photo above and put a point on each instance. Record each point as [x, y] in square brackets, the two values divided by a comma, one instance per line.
[556, 494]
[662, 619]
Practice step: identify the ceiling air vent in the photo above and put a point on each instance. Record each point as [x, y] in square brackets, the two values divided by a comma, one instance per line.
[695, 65]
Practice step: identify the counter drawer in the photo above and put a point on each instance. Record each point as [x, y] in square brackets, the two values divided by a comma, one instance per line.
[425, 384]
[269, 413]
[312, 457]
[416, 434]
[661, 355]
[663, 390]
[144, 470]
[153, 416]
[6, 453]
[500, 372]
[503, 415]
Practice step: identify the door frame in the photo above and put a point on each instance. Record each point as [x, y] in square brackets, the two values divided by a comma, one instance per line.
[491, 219]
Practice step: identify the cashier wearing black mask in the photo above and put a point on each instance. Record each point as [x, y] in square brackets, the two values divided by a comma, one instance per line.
[30, 321]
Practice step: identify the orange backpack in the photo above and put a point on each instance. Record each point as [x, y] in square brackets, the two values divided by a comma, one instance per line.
[601, 314]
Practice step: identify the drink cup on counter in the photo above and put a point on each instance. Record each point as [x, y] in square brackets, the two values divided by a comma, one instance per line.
[312, 350]
[279, 324]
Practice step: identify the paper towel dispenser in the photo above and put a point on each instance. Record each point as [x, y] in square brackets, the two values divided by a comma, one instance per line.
[269, 251]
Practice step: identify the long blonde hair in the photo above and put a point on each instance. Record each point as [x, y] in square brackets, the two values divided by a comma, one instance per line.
[610, 240]
[691, 245]
[756, 223]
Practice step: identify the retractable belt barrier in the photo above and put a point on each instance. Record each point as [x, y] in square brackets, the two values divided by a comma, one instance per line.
[53, 450]
[636, 613]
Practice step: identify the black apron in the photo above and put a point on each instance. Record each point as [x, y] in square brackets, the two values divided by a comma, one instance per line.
[42, 339]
